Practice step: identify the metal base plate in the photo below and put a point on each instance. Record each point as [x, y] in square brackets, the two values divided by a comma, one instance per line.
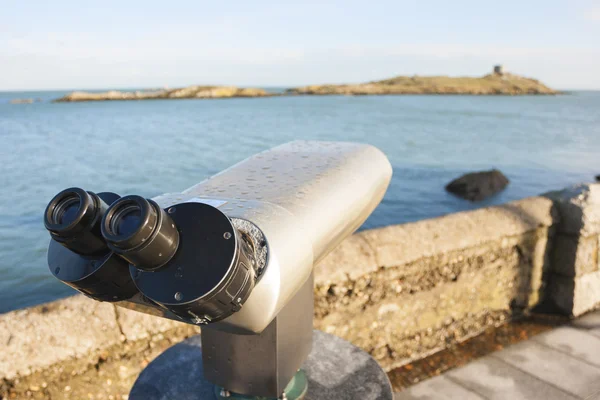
[295, 390]
[335, 370]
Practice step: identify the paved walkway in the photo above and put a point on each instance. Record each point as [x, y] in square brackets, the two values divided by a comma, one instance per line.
[563, 363]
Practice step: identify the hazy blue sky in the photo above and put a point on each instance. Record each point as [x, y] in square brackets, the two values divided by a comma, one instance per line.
[73, 44]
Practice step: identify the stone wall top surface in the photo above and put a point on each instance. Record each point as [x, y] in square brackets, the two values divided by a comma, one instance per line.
[395, 245]
[38, 337]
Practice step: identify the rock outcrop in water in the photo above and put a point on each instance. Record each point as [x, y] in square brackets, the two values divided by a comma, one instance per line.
[190, 92]
[492, 84]
[21, 101]
[477, 186]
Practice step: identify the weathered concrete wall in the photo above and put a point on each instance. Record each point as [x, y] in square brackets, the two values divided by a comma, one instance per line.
[404, 291]
[574, 280]
[399, 292]
[76, 348]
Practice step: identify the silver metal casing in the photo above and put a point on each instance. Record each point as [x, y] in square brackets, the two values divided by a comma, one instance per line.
[306, 197]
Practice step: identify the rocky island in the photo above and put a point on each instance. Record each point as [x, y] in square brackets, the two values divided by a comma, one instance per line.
[22, 101]
[496, 83]
[190, 92]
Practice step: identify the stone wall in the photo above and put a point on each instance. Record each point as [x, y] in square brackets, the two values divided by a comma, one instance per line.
[404, 291]
[77, 348]
[574, 281]
[400, 292]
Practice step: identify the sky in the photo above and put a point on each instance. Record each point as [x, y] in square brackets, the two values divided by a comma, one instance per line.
[57, 44]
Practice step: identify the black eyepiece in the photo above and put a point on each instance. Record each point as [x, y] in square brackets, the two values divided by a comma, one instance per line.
[141, 232]
[73, 219]
[127, 221]
[66, 210]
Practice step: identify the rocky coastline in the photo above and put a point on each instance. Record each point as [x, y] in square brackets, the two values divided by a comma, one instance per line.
[25, 101]
[189, 92]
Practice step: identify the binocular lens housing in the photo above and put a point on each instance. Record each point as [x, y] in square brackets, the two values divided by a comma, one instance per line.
[73, 219]
[78, 254]
[191, 261]
[141, 232]
[213, 271]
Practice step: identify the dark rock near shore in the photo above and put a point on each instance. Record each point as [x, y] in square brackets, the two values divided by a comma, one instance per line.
[597, 178]
[477, 186]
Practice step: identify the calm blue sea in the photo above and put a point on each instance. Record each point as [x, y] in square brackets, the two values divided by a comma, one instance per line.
[150, 147]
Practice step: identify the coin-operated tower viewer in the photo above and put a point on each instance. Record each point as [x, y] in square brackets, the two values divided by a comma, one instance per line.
[234, 254]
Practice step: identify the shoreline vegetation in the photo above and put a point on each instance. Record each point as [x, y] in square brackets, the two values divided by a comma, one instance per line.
[496, 83]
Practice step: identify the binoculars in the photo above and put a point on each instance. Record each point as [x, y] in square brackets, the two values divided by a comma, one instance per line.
[234, 253]
[189, 259]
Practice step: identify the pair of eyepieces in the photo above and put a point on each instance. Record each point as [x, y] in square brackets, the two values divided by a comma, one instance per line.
[134, 228]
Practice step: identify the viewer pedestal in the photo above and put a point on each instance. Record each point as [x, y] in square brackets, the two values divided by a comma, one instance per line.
[336, 370]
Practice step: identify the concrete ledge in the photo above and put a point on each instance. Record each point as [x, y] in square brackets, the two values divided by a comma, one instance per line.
[576, 296]
[39, 337]
[404, 291]
[45, 349]
[574, 280]
[579, 209]
[575, 255]
[397, 245]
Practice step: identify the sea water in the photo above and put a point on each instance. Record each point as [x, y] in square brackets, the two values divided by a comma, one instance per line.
[541, 143]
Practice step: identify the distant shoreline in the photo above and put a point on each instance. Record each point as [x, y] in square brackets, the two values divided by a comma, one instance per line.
[503, 84]
[189, 92]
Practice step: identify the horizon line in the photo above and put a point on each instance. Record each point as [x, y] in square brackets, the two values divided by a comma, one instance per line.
[166, 87]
